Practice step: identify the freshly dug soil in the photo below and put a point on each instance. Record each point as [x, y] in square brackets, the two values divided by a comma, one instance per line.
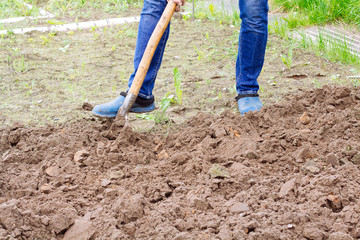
[290, 171]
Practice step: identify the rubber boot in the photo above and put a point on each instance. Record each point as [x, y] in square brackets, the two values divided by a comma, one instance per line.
[247, 104]
[111, 108]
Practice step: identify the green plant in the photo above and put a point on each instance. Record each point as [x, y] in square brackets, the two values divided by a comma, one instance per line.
[288, 59]
[280, 28]
[45, 40]
[201, 54]
[212, 9]
[29, 87]
[214, 13]
[304, 41]
[294, 20]
[320, 12]
[317, 83]
[66, 46]
[20, 65]
[178, 90]
[160, 116]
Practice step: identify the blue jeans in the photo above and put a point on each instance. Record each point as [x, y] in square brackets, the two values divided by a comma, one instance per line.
[251, 52]
[150, 16]
[252, 44]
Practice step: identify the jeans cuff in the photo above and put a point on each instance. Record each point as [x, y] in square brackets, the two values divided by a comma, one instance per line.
[246, 92]
[145, 96]
[141, 95]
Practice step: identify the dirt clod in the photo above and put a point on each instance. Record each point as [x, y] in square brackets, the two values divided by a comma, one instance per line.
[52, 171]
[46, 188]
[239, 207]
[81, 155]
[334, 202]
[218, 171]
[340, 236]
[332, 159]
[80, 230]
[304, 119]
[87, 106]
[163, 154]
[287, 187]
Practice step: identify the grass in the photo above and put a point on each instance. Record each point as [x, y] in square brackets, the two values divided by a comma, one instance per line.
[335, 49]
[178, 90]
[320, 12]
[160, 115]
[288, 59]
[72, 7]
[17, 8]
[217, 14]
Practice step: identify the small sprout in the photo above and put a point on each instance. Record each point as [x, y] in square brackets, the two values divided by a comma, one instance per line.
[45, 40]
[178, 90]
[211, 8]
[20, 65]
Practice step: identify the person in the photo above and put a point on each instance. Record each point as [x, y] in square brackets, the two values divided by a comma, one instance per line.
[250, 59]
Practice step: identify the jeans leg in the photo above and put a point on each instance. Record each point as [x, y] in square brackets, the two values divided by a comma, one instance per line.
[150, 16]
[252, 44]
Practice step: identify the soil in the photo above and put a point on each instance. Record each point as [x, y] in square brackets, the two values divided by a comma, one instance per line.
[45, 78]
[90, 14]
[290, 171]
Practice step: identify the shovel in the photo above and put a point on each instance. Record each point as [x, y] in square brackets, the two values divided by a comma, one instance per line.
[145, 61]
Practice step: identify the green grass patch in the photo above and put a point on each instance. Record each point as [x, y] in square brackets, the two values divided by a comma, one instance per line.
[73, 7]
[320, 12]
[17, 8]
[335, 49]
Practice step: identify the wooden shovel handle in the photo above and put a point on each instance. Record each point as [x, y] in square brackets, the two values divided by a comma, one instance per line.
[151, 47]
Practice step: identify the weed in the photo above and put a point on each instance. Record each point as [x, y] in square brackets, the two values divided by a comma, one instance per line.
[66, 46]
[320, 12]
[334, 48]
[198, 83]
[305, 41]
[160, 115]
[280, 28]
[20, 65]
[317, 84]
[201, 54]
[178, 90]
[45, 40]
[220, 15]
[29, 87]
[212, 9]
[294, 20]
[15, 8]
[93, 31]
[232, 90]
[288, 59]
